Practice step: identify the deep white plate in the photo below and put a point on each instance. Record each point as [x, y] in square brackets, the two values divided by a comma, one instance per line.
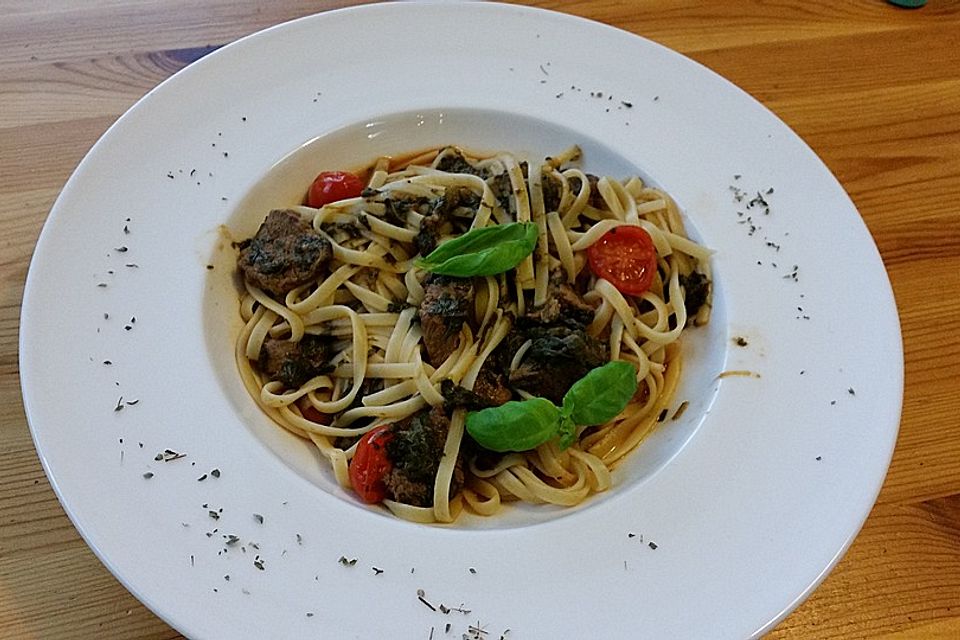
[717, 527]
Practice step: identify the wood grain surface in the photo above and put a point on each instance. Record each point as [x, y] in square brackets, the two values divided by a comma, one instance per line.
[875, 91]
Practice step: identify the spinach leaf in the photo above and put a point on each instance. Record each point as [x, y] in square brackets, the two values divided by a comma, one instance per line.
[483, 252]
[602, 394]
[514, 426]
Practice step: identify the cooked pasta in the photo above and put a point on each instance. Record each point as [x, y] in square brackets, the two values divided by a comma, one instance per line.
[347, 330]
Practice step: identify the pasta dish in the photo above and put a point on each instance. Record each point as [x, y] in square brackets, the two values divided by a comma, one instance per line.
[454, 332]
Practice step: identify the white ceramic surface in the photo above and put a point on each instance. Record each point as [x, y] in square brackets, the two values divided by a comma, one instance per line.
[749, 499]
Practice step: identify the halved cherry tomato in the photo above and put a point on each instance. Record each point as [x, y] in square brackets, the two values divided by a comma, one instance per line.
[624, 256]
[313, 414]
[370, 465]
[331, 186]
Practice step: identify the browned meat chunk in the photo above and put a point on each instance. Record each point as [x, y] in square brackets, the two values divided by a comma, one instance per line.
[491, 386]
[440, 218]
[415, 450]
[285, 253]
[563, 306]
[490, 390]
[455, 396]
[293, 363]
[596, 200]
[552, 190]
[444, 309]
[696, 289]
[558, 357]
[560, 353]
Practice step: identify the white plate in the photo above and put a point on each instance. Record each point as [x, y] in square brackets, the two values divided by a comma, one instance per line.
[749, 499]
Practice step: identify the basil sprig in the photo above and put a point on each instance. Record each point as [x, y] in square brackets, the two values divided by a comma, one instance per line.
[594, 399]
[514, 426]
[482, 252]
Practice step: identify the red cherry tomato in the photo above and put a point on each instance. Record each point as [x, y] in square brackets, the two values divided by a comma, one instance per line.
[312, 414]
[370, 465]
[624, 256]
[331, 186]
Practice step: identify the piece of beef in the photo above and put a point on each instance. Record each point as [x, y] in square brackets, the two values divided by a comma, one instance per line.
[457, 397]
[285, 253]
[415, 451]
[433, 225]
[563, 306]
[444, 309]
[561, 352]
[696, 288]
[489, 390]
[491, 386]
[552, 190]
[293, 363]
[558, 356]
[596, 200]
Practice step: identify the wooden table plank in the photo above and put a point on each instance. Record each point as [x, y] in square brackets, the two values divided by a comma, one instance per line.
[713, 25]
[903, 570]
[67, 31]
[79, 605]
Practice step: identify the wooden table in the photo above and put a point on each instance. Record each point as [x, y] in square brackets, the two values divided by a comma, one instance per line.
[874, 89]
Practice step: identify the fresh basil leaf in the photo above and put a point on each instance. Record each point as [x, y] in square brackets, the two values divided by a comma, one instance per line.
[566, 410]
[483, 252]
[602, 394]
[567, 431]
[514, 426]
[595, 398]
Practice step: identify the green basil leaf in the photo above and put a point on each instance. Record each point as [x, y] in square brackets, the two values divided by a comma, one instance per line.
[483, 252]
[567, 431]
[566, 411]
[602, 394]
[514, 426]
